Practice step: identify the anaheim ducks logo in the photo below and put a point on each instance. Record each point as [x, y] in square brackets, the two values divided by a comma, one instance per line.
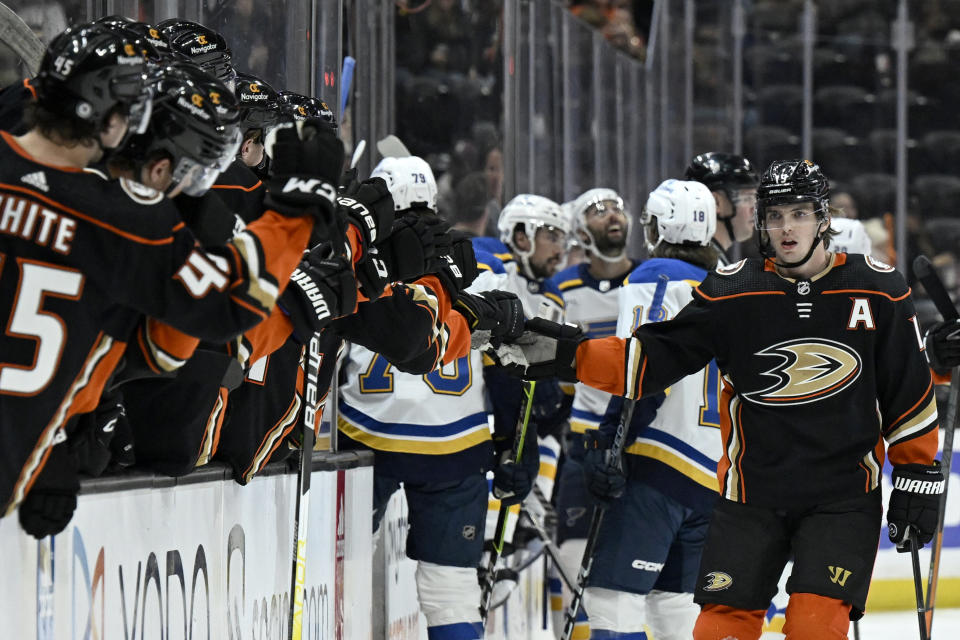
[201, 39]
[154, 34]
[811, 369]
[302, 111]
[129, 50]
[197, 100]
[254, 87]
[718, 581]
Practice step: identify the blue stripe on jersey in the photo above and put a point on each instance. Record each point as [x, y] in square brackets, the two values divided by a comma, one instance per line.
[678, 445]
[601, 329]
[547, 451]
[581, 421]
[651, 270]
[400, 429]
[456, 631]
[488, 260]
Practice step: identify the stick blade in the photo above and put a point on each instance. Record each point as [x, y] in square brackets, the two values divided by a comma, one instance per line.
[21, 39]
[392, 147]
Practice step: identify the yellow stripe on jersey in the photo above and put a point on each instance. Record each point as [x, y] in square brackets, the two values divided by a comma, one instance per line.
[554, 297]
[568, 284]
[547, 470]
[424, 446]
[671, 459]
[568, 388]
[483, 267]
[916, 424]
[581, 426]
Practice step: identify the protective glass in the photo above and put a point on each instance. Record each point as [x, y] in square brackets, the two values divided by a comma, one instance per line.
[230, 151]
[604, 208]
[742, 196]
[782, 216]
[193, 178]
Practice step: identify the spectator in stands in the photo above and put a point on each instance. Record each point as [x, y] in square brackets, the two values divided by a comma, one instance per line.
[843, 201]
[472, 205]
[463, 161]
[447, 29]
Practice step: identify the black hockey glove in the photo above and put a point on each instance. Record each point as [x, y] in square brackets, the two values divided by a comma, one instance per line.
[102, 437]
[370, 209]
[942, 342]
[604, 475]
[321, 289]
[493, 316]
[545, 350]
[416, 247]
[304, 173]
[914, 502]
[372, 274]
[48, 507]
[459, 269]
[513, 480]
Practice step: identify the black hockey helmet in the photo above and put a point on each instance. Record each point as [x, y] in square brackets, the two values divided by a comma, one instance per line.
[259, 102]
[786, 182]
[89, 70]
[301, 107]
[200, 45]
[196, 120]
[156, 47]
[721, 171]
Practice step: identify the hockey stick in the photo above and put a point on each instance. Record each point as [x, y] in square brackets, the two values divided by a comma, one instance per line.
[392, 147]
[549, 547]
[311, 397]
[500, 531]
[346, 79]
[938, 294]
[912, 542]
[614, 457]
[21, 39]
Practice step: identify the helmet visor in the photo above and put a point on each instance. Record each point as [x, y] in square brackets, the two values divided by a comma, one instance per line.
[193, 178]
[795, 214]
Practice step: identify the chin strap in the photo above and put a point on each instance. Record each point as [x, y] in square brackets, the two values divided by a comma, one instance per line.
[606, 258]
[767, 252]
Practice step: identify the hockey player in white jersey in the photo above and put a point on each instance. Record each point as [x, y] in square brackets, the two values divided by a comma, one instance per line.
[851, 236]
[591, 292]
[663, 504]
[430, 433]
[733, 182]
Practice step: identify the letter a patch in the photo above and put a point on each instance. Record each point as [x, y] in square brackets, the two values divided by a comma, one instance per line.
[861, 313]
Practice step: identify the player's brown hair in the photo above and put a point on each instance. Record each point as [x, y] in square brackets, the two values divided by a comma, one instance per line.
[705, 257]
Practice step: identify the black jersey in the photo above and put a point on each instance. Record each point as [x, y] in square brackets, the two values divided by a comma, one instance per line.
[74, 248]
[242, 190]
[815, 375]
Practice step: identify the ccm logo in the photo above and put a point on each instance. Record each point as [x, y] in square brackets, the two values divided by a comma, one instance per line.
[311, 186]
[643, 565]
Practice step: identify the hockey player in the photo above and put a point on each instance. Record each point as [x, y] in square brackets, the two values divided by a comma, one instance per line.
[591, 292]
[429, 432]
[733, 182]
[851, 236]
[59, 223]
[829, 370]
[673, 444]
[259, 112]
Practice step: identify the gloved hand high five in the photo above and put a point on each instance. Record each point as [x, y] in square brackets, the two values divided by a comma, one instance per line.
[306, 165]
[493, 316]
[416, 246]
[942, 342]
[459, 268]
[321, 289]
[915, 502]
[370, 208]
[545, 350]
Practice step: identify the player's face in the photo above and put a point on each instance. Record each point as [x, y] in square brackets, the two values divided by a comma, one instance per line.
[549, 251]
[114, 132]
[792, 228]
[607, 223]
[251, 152]
[743, 201]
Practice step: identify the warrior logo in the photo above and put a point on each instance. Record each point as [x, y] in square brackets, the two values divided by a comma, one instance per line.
[718, 581]
[810, 369]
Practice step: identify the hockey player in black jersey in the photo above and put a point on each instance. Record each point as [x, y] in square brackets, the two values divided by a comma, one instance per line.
[259, 112]
[86, 249]
[733, 182]
[827, 379]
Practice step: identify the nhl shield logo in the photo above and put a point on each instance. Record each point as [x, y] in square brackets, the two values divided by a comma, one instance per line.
[803, 287]
[469, 532]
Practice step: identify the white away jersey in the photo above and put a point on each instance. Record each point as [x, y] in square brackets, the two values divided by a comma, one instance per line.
[593, 305]
[685, 433]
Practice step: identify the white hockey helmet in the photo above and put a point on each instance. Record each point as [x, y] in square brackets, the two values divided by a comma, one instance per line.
[599, 199]
[852, 236]
[531, 213]
[686, 212]
[410, 181]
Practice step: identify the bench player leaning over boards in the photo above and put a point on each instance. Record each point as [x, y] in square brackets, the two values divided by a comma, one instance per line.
[829, 379]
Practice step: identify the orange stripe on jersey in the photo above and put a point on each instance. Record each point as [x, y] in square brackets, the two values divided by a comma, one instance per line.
[175, 342]
[723, 464]
[92, 220]
[249, 306]
[239, 187]
[29, 87]
[269, 335]
[82, 396]
[355, 240]
[871, 291]
[599, 364]
[10, 140]
[919, 450]
[739, 295]
[283, 240]
[944, 378]
[906, 413]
